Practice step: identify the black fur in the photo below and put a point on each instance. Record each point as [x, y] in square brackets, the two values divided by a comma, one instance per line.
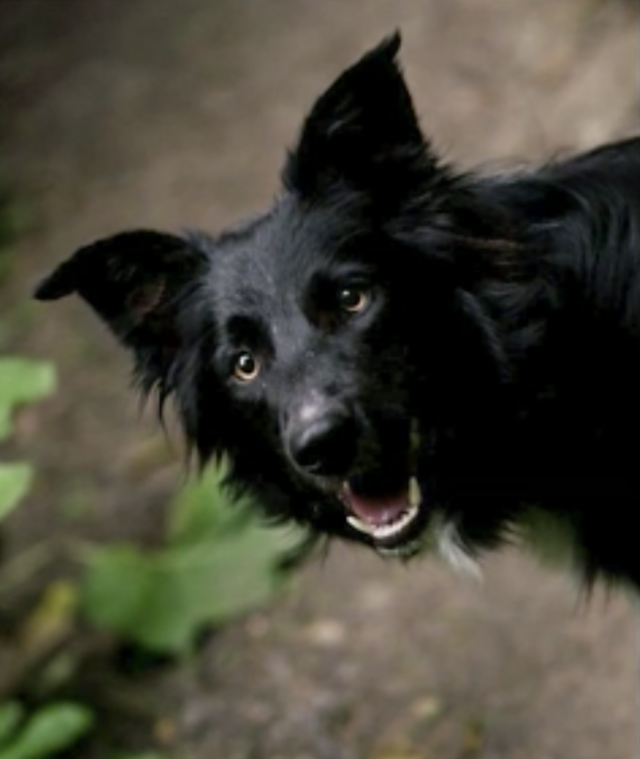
[390, 317]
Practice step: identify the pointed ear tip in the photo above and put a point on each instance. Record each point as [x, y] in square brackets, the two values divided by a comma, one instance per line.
[394, 41]
[54, 287]
[45, 292]
[390, 45]
[40, 291]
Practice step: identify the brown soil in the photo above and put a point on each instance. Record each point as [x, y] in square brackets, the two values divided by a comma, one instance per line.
[170, 114]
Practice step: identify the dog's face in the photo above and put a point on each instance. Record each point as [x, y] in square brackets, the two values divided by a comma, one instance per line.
[313, 311]
[309, 345]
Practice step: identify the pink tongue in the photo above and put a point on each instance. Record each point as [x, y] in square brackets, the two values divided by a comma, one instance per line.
[376, 511]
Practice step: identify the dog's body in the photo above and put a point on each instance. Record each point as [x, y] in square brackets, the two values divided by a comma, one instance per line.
[395, 350]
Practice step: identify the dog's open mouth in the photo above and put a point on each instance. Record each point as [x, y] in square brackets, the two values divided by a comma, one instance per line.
[387, 517]
[386, 506]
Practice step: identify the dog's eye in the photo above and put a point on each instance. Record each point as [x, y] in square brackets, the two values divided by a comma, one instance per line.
[353, 300]
[245, 367]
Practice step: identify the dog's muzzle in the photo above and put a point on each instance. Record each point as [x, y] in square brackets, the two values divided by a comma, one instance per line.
[381, 495]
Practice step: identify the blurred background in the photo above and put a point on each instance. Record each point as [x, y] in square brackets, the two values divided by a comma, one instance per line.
[157, 113]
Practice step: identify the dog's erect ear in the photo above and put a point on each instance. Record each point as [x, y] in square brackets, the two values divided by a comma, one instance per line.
[362, 130]
[137, 282]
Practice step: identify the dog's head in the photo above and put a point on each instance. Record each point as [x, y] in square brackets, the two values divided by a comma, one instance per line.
[325, 348]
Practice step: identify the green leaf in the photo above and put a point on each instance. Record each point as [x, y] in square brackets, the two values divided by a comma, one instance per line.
[22, 380]
[201, 510]
[11, 714]
[144, 755]
[52, 729]
[220, 562]
[161, 599]
[14, 484]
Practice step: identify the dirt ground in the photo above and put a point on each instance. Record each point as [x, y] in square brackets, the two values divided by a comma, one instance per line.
[171, 114]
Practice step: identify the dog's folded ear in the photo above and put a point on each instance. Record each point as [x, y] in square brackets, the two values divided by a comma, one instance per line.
[362, 130]
[136, 281]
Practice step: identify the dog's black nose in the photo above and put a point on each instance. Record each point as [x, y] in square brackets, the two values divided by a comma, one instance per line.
[325, 446]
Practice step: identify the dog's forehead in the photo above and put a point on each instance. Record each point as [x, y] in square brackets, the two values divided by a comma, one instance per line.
[273, 259]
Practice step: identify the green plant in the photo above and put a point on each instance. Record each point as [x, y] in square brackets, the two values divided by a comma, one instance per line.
[58, 725]
[21, 381]
[43, 733]
[217, 562]
[54, 726]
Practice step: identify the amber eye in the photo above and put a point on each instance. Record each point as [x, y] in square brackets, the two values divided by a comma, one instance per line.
[353, 300]
[245, 368]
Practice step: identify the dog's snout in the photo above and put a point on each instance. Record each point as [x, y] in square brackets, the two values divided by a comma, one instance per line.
[325, 444]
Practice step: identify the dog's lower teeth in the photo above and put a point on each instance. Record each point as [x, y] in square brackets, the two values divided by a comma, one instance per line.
[391, 529]
[384, 531]
[395, 528]
[360, 525]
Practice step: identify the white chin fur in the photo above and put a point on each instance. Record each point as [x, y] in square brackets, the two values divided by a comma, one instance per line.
[453, 550]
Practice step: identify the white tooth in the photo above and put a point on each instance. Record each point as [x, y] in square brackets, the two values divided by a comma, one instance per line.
[415, 494]
[382, 531]
[394, 528]
[387, 530]
[360, 525]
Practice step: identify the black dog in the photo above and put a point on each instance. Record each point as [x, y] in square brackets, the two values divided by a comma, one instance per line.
[398, 353]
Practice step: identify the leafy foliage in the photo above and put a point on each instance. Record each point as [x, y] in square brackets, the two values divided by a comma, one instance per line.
[14, 484]
[46, 732]
[21, 381]
[217, 563]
